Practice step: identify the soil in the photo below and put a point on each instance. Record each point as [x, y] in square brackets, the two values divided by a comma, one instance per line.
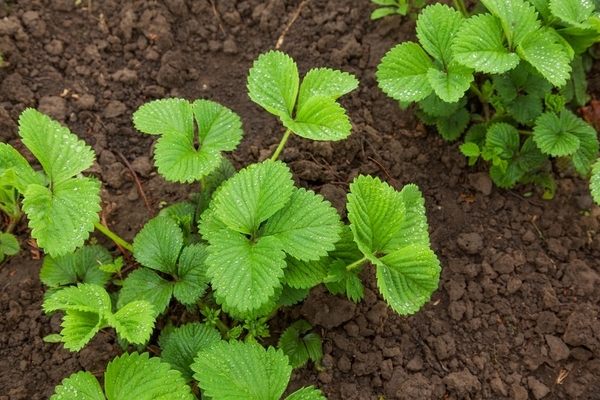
[516, 312]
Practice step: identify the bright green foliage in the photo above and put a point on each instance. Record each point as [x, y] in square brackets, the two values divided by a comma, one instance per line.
[245, 371]
[255, 219]
[62, 214]
[408, 272]
[273, 83]
[88, 309]
[180, 345]
[339, 278]
[595, 182]
[9, 245]
[81, 266]
[160, 246]
[180, 155]
[128, 377]
[299, 345]
[391, 7]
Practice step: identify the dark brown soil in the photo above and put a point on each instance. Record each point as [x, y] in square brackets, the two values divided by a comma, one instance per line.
[516, 312]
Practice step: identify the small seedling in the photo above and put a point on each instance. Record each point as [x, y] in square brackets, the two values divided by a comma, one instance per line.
[301, 346]
[401, 7]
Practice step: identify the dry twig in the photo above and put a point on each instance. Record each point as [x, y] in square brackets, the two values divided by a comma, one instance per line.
[138, 183]
[289, 24]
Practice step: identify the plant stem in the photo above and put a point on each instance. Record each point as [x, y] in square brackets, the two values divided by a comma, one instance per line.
[460, 6]
[356, 264]
[524, 132]
[113, 236]
[281, 144]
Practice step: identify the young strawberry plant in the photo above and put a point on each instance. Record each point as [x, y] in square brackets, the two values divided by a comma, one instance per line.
[247, 244]
[401, 7]
[503, 76]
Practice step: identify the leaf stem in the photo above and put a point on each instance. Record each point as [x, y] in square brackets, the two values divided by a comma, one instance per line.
[460, 6]
[356, 264]
[114, 237]
[524, 132]
[281, 144]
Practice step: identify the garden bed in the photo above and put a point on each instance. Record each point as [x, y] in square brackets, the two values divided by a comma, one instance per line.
[516, 312]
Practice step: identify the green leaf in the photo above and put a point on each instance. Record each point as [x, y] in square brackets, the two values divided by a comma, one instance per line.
[145, 284]
[573, 12]
[503, 139]
[235, 370]
[134, 321]
[165, 116]
[436, 107]
[436, 26]
[518, 18]
[453, 126]
[136, 376]
[209, 224]
[588, 147]
[305, 274]
[82, 385]
[23, 173]
[79, 327]
[319, 118]
[526, 108]
[383, 12]
[354, 288]
[80, 266]
[543, 7]
[292, 344]
[253, 195]
[595, 182]
[553, 136]
[307, 226]
[183, 344]
[325, 82]
[245, 273]
[9, 244]
[59, 151]
[375, 211]
[191, 272]
[61, 219]
[542, 49]
[452, 83]
[83, 297]
[408, 277]
[470, 149]
[177, 155]
[306, 393]
[158, 244]
[273, 83]
[402, 73]
[290, 296]
[478, 45]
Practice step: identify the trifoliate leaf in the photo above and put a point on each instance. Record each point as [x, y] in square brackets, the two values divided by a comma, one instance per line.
[80, 266]
[528, 159]
[273, 83]
[136, 376]
[134, 321]
[158, 244]
[595, 182]
[319, 118]
[292, 345]
[376, 212]
[414, 228]
[402, 73]
[478, 45]
[145, 284]
[83, 297]
[290, 296]
[306, 393]
[82, 385]
[436, 107]
[243, 371]
[165, 116]
[191, 272]
[62, 219]
[9, 244]
[184, 343]
[503, 139]
[307, 226]
[452, 83]
[573, 12]
[305, 274]
[253, 195]
[436, 26]
[518, 18]
[555, 134]
[542, 49]
[453, 126]
[179, 157]
[79, 327]
[245, 272]
[325, 82]
[23, 173]
[408, 277]
[60, 152]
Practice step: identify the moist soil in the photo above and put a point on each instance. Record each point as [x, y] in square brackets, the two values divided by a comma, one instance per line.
[516, 312]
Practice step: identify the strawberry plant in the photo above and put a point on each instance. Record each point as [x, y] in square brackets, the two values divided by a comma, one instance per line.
[248, 243]
[401, 7]
[503, 76]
